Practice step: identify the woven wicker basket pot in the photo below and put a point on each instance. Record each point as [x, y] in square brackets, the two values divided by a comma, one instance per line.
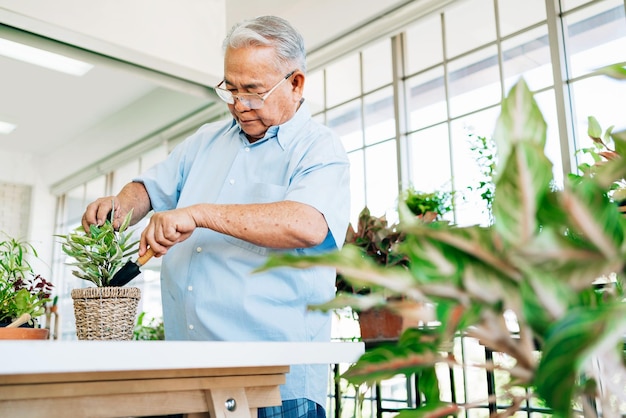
[105, 313]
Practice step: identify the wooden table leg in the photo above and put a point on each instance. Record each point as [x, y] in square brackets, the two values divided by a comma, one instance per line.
[228, 403]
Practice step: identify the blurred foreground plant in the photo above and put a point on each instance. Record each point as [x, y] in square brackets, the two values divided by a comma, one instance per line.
[539, 262]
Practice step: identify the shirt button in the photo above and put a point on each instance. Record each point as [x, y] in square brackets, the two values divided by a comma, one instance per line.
[247, 149]
[231, 181]
[199, 249]
[190, 288]
[190, 326]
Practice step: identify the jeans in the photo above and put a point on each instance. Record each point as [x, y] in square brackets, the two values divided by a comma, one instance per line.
[293, 408]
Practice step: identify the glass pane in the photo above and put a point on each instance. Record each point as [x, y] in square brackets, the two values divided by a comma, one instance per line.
[426, 99]
[429, 156]
[381, 179]
[357, 185]
[74, 207]
[528, 55]
[469, 207]
[343, 80]
[123, 175]
[516, 15]
[546, 102]
[152, 157]
[474, 353]
[314, 90]
[598, 97]
[94, 189]
[596, 36]
[570, 4]
[379, 116]
[346, 122]
[377, 69]
[474, 82]
[469, 25]
[424, 44]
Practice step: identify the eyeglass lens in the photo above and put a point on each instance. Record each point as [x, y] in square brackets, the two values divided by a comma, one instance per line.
[249, 100]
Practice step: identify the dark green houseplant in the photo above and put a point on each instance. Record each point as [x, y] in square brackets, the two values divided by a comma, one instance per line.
[21, 290]
[379, 240]
[555, 259]
[431, 205]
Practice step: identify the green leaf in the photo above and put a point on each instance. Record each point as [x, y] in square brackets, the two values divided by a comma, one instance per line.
[591, 214]
[520, 120]
[594, 130]
[619, 139]
[101, 253]
[354, 266]
[521, 189]
[431, 410]
[569, 343]
[617, 71]
[355, 301]
[412, 354]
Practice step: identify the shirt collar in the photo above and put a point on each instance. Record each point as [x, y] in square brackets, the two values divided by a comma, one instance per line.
[286, 132]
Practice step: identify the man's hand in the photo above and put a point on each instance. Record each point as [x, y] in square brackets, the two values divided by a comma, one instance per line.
[98, 211]
[133, 196]
[166, 229]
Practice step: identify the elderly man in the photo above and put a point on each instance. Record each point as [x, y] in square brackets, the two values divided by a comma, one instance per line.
[271, 179]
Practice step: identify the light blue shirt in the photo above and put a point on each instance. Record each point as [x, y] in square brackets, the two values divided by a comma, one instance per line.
[208, 289]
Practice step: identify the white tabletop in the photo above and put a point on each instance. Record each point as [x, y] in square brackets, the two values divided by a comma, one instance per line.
[25, 357]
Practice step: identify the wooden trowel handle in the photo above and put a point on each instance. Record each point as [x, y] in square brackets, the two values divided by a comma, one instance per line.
[144, 258]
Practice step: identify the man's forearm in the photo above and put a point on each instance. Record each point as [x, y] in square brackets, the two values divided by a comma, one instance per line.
[135, 196]
[276, 225]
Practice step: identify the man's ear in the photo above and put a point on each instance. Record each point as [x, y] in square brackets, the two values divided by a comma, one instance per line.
[297, 83]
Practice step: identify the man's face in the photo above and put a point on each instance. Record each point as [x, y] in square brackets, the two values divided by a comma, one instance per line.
[252, 70]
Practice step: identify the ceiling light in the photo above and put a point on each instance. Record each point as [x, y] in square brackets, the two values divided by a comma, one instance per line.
[6, 127]
[43, 58]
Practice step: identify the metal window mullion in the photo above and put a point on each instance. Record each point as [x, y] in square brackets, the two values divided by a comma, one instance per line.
[108, 183]
[403, 163]
[446, 88]
[556, 37]
[364, 147]
[499, 48]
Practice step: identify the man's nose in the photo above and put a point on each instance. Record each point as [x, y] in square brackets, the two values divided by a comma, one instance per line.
[239, 105]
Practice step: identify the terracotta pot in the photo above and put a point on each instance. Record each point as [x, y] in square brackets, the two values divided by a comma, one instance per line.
[21, 333]
[379, 325]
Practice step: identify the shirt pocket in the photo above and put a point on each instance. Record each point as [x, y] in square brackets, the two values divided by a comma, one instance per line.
[248, 246]
[266, 193]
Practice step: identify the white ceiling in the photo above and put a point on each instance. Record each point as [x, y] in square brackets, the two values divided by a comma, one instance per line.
[57, 113]
[50, 107]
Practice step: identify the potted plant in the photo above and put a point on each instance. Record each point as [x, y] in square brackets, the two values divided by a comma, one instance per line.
[539, 261]
[380, 241]
[484, 150]
[23, 294]
[607, 146]
[429, 205]
[103, 312]
[152, 329]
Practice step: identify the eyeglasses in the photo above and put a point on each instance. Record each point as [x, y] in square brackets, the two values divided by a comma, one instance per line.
[249, 100]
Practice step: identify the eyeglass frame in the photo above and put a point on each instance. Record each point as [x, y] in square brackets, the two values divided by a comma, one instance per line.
[229, 97]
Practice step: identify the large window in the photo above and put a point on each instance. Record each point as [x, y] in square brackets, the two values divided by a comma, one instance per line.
[456, 66]
[408, 107]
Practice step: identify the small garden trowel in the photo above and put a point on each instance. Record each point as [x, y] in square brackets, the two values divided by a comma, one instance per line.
[130, 270]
